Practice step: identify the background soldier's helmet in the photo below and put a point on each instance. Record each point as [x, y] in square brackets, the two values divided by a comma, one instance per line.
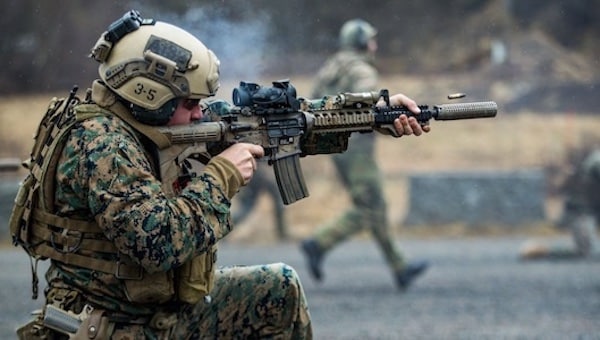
[356, 33]
[152, 64]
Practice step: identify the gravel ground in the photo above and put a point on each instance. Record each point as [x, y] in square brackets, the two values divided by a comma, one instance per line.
[476, 288]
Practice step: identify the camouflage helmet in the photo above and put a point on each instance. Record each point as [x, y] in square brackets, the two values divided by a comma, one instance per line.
[356, 33]
[151, 64]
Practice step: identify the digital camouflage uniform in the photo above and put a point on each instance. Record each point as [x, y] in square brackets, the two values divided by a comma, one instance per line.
[107, 174]
[350, 70]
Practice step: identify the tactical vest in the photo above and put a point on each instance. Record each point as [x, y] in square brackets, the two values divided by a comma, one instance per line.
[44, 235]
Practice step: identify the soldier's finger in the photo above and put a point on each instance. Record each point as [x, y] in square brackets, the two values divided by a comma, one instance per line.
[406, 125]
[257, 151]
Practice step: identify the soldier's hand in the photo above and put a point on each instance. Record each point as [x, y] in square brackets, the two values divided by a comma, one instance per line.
[403, 124]
[244, 156]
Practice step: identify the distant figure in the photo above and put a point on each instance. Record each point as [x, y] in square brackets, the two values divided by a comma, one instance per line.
[247, 197]
[351, 69]
[580, 215]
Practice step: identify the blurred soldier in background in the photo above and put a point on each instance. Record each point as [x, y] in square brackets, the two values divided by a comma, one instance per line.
[248, 196]
[580, 214]
[352, 69]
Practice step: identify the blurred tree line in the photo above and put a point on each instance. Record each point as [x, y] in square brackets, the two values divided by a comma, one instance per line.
[45, 43]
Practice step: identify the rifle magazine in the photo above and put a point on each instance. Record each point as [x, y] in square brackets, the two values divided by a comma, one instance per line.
[290, 179]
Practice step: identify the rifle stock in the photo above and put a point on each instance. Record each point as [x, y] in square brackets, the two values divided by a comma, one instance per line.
[289, 128]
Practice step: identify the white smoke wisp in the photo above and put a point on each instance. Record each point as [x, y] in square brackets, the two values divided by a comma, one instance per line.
[242, 46]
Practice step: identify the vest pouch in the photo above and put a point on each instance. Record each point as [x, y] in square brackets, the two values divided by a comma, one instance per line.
[18, 211]
[152, 288]
[95, 326]
[196, 277]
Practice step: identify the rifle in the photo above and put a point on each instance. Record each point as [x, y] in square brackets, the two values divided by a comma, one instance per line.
[288, 127]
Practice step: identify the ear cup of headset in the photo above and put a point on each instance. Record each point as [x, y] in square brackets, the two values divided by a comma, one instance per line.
[158, 117]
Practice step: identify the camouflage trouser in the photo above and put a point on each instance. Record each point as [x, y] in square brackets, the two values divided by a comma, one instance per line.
[247, 302]
[360, 174]
[256, 302]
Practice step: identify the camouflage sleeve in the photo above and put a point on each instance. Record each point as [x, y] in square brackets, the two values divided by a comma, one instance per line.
[110, 175]
[327, 77]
